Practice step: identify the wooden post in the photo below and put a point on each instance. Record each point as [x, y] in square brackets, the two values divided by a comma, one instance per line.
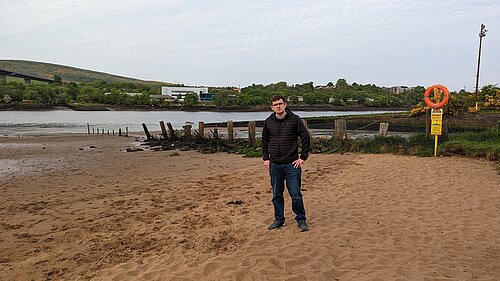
[216, 133]
[340, 129]
[108, 132]
[113, 132]
[251, 132]
[88, 128]
[120, 132]
[187, 129]
[382, 131]
[230, 132]
[305, 124]
[171, 131]
[428, 122]
[201, 129]
[126, 131]
[146, 131]
[163, 130]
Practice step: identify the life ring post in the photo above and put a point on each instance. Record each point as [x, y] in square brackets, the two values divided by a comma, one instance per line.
[436, 110]
[437, 89]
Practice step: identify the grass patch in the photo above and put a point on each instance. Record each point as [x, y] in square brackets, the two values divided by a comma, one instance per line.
[252, 152]
[484, 144]
[417, 144]
[476, 144]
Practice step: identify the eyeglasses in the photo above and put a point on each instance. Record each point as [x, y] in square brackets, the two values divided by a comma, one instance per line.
[278, 104]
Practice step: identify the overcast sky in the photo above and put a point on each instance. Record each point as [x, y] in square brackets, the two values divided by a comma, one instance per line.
[240, 42]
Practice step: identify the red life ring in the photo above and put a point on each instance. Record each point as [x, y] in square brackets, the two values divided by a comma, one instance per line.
[442, 89]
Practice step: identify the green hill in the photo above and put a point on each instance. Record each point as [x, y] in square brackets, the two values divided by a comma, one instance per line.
[68, 73]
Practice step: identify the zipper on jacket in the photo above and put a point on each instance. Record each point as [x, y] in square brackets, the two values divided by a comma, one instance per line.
[279, 144]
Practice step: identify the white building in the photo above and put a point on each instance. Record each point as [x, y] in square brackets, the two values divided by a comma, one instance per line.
[398, 89]
[180, 93]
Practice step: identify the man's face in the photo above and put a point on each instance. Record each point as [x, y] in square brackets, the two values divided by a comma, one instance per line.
[278, 106]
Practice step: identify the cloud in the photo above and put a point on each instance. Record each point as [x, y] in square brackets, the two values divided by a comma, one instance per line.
[223, 42]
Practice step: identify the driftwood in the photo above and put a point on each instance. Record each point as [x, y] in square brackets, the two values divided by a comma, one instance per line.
[171, 131]
[204, 145]
[146, 131]
[215, 132]
[163, 130]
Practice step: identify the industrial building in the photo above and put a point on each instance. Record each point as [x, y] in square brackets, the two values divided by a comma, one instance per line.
[180, 93]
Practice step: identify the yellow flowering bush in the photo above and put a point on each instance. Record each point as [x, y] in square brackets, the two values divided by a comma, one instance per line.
[473, 109]
[493, 100]
[419, 109]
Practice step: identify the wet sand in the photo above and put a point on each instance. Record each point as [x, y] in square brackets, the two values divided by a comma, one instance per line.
[81, 208]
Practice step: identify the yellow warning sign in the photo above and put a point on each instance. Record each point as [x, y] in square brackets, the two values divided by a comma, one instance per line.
[436, 123]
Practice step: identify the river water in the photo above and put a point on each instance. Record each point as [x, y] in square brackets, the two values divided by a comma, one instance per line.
[55, 122]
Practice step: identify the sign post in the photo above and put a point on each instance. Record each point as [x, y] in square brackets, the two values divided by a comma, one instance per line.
[436, 110]
[436, 126]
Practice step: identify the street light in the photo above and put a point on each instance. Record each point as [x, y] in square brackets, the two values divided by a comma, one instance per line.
[482, 33]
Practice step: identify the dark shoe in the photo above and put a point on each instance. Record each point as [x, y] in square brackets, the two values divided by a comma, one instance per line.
[276, 225]
[302, 225]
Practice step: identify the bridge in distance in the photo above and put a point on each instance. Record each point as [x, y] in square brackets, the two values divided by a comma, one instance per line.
[27, 78]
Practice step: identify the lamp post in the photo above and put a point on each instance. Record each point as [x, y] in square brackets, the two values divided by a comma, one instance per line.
[482, 33]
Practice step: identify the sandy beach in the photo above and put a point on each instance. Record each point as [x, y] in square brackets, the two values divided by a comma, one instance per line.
[82, 208]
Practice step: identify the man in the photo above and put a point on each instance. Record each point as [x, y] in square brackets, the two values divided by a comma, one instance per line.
[280, 151]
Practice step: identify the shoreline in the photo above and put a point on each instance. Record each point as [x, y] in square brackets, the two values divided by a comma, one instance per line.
[208, 108]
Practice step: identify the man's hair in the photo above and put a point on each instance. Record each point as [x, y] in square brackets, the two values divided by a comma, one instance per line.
[278, 97]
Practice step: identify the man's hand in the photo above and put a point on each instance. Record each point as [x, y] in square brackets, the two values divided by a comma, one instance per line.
[267, 163]
[297, 163]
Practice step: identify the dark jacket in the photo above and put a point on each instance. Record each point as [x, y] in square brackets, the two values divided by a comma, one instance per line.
[280, 139]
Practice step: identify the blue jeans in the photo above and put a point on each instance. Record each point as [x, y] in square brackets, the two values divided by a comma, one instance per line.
[279, 174]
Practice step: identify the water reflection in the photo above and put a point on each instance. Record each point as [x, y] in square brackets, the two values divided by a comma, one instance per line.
[13, 123]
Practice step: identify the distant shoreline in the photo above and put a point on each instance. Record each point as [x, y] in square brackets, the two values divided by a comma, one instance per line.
[209, 108]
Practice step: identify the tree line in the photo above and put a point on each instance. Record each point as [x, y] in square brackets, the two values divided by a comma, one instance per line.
[97, 92]
[114, 93]
[339, 94]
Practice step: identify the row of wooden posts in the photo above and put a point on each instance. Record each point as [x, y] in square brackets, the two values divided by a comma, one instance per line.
[340, 131]
[201, 131]
[100, 131]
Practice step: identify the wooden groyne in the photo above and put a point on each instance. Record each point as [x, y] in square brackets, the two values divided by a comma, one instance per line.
[247, 130]
[240, 140]
[101, 131]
